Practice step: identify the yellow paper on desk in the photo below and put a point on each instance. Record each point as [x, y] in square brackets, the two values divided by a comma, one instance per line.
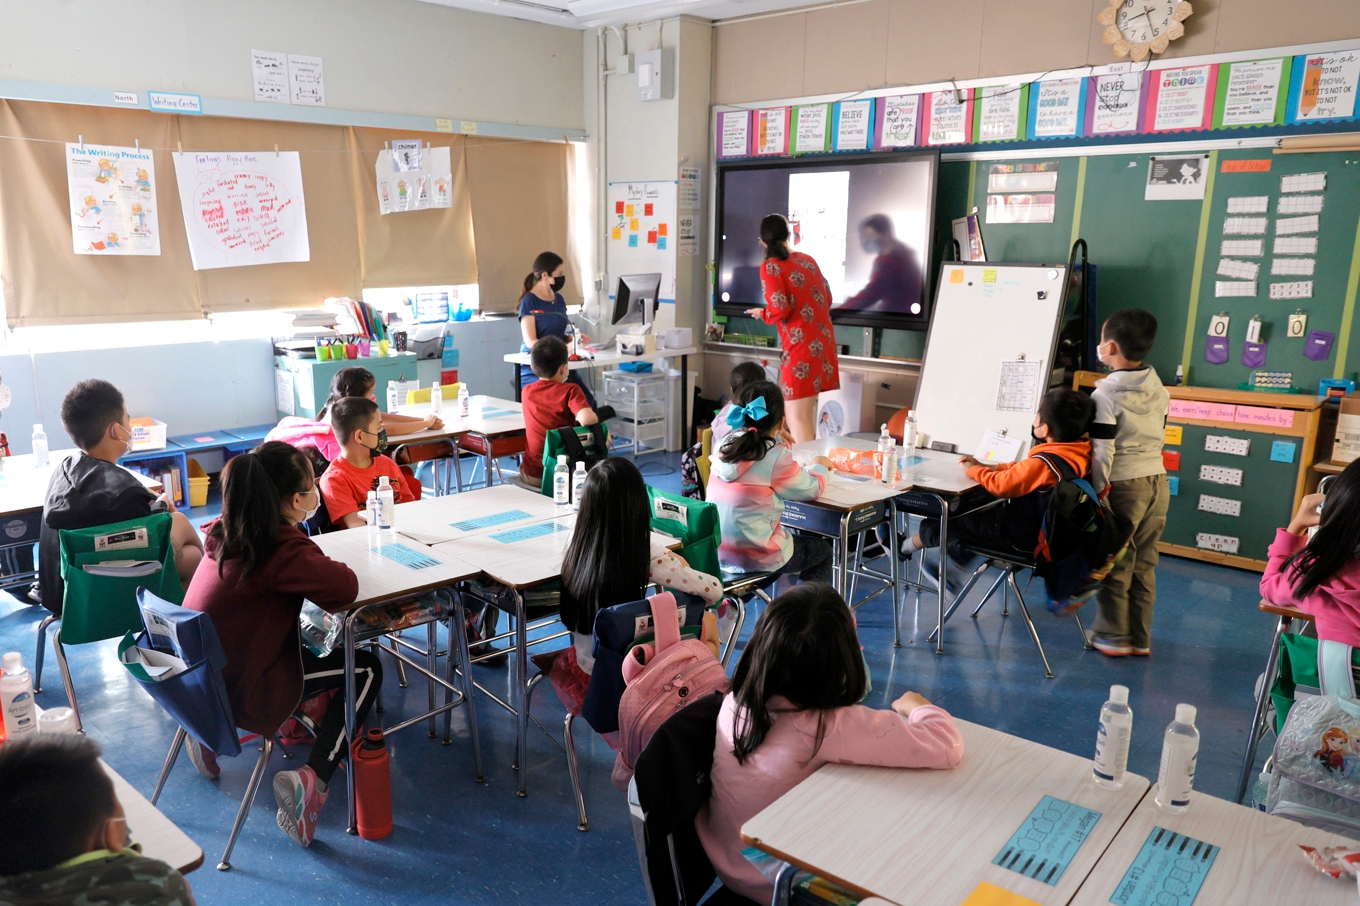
[1173, 434]
[990, 895]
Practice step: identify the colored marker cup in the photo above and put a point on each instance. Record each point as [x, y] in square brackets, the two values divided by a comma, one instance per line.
[363, 348]
[323, 353]
[382, 347]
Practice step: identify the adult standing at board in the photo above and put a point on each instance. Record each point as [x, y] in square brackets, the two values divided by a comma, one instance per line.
[798, 304]
[543, 313]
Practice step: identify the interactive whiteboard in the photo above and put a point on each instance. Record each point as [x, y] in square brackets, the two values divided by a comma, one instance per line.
[989, 353]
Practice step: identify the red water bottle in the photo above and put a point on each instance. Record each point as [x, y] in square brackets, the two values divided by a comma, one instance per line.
[372, 786]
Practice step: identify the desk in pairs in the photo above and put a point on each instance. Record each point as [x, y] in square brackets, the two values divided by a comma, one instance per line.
[158, 835]
[494, 428]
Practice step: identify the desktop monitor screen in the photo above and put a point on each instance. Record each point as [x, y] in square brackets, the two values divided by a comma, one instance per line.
[635, 298]
[829, 201]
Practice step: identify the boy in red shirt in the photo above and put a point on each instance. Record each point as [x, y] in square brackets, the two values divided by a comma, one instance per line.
[549, 403]
[357, 424]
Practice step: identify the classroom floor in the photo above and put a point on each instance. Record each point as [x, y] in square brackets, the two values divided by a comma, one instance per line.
[458, 842]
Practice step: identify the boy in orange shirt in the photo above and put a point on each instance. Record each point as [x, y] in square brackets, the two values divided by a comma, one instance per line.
[357, 424]
[549, 403]
[1059, 431]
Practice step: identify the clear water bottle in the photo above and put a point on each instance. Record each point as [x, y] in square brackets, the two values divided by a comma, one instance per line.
[1112, 740]
[884, 439]
[909, 432]
[562, 481]
[40, 446]
[578, 485]
[16, 697]
[889, 467]
[392, 401]
[387, 508]
[1180, 751]
[464, 401]
[436, 398]
[373, 509]
[1260, 790]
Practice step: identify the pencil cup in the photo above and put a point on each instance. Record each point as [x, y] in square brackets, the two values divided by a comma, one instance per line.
[363, 348]
[323, 353]
[352, 350]
[382, 347]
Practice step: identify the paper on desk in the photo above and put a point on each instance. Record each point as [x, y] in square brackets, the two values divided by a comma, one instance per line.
[986, 895]
[997, 447]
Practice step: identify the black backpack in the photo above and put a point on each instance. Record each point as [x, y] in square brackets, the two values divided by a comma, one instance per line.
[1080, 540]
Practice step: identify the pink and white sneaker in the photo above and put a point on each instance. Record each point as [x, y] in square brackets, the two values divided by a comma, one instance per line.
[299, 802]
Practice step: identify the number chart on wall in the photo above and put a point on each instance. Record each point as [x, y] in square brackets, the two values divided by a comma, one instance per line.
[642, 232]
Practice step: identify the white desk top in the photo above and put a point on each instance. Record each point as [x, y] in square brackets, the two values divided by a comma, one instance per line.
[506, 418]
[935, 471]
[609, 358]
[23, 486]
[434, 520]
[916, 836]
[845, 491]
[1259, 861]
[382, 578]
[159, 836]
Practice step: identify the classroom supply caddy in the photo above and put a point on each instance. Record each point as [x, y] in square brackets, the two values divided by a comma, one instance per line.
[639, 398]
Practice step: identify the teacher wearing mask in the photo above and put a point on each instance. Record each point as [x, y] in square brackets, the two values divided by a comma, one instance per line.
[798, 304]
[543, 313]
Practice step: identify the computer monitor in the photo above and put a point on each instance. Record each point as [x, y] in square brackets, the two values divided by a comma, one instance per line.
[635, 299]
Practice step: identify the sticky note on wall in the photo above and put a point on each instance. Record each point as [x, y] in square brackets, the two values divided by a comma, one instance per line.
[1173, 484]
[1283, 451]
[1172, 460]
[1172, 434]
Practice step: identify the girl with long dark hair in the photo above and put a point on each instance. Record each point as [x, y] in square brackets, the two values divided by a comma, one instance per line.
[543, 313]
[794, 706]
[259, 568]
[1321, 575]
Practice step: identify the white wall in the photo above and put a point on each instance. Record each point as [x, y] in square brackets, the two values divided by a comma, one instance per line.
[388, 56]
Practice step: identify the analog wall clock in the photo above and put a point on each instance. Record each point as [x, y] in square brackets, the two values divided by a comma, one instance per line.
[1139, 27]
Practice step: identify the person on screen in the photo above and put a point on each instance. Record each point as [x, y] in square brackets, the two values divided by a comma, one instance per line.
[895, 281]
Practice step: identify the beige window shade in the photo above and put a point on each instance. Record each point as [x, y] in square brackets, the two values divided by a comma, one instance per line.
[328, 190]
[519, 208]
[44, 281]
[412, 248]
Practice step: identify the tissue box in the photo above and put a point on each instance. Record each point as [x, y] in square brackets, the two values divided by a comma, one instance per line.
[678, 337]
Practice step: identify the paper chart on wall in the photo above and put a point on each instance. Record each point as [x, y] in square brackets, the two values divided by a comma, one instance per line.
[1181, 98]
[306, 83]
[1285, 226]
[734, 133]
[1327, 90]
[1224, 289]
[1303, 182]
[900, 121]
[999, 113]
[771, 131]
[810, 128]
[1253, 92]
[1302, 267]
[1057, 108]
[1114, 108]
[1300, 204]
[242, 208]
[1249, 204]
[948, 119]
[1295, 245]
[428, 186]
[853, 122]
[113, 200]
[1302, 289]
[1242, 248]
[269, 70]
[1238, 270]
[643, 232]
[1244, 226]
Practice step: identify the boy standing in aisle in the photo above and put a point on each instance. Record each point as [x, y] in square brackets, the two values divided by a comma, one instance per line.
[1127, 469]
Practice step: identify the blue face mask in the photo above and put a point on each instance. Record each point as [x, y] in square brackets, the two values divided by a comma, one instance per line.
[872, 246]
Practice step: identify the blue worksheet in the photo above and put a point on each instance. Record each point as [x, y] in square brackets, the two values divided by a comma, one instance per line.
[412, 559]
[1047, 840]
[529, 531]
[1167, 871]
[481, 522]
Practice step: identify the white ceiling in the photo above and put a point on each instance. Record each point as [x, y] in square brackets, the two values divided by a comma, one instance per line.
[595, 13]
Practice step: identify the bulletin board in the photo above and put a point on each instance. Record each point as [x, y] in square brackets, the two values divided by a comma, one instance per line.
[641, 232]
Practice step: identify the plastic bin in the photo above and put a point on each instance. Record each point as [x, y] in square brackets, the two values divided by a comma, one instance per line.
[642, 411]
[198, 484]
[652, 434]
[619, 385]
[147, 434]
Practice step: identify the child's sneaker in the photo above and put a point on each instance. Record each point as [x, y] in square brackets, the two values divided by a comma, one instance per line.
[299, 803]
[1112, 647]
[1139, 652]
[203, 759]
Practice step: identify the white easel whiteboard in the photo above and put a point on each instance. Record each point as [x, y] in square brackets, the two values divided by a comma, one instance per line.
[989, 352]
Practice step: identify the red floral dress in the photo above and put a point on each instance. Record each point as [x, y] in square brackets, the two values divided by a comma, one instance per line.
[798, 303]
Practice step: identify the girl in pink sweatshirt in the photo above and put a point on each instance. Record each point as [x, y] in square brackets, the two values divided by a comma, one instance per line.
[793, 708]
[1321, 576]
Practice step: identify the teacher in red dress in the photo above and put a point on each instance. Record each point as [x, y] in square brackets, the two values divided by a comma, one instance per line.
[798, 304]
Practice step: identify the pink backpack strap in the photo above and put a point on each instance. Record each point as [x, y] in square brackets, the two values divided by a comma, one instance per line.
[665, 621]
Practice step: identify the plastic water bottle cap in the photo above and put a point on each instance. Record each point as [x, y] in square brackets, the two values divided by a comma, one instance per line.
[1120, 695]
[383, 481]
[38, 428]
[1185, 714]
[372, 495]
[14, 662]
[57, 720]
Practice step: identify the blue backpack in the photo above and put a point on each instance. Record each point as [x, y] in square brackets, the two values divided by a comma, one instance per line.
[1080, 540]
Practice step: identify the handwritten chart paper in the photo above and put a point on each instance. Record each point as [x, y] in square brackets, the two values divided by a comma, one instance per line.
[1251, 92]
[269, 71]
[1327, 85]
[1242, 248]
[1170, 868]
[1202, 411]
[429, 185]
[1264, 415]
[1047, 840]
[901, 119]
[113, 200]
[242, 209]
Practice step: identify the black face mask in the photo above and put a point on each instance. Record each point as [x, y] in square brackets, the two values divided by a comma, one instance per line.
[1035, 439]
[381, 448]
[558, 283]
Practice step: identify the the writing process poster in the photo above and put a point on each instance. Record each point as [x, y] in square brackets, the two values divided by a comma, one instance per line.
[242, 208]
[113, 200]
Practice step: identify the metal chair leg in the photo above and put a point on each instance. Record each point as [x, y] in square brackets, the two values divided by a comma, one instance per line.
[66, 678]
[1034, 633]
[1258, 718]
[583, 824]
[958, 598]
[469, 700]
[432, 665]
[783, 884]
[170, 757]
[378, 700]
[247, 801]
[731, 644]
[1000, 581]
[1085, 639]
[42, 650]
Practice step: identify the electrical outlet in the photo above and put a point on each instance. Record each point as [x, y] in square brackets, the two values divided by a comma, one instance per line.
[1221, 475]
[1221, 505]
[1233, 446]
[1225, 544]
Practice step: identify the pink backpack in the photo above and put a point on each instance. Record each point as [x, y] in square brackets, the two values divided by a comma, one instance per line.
[661, 680]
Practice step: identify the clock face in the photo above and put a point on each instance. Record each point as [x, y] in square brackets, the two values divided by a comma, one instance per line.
[1144, 21]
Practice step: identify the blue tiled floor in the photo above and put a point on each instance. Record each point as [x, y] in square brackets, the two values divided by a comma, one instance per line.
[458, 842]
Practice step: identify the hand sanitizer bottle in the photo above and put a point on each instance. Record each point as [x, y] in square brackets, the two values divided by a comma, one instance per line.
[578, 485]
[562, 481]
[889, 467]
[16, 698]
[387, 508]
[39, 446]
[464, 401]
[1180, 751]
[1112, 740]
[436, 398]
[884, 439]
[374, 512]
[392, 401]
[909, 432]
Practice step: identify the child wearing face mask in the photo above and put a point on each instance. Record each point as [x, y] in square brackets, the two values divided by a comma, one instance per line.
[260, 566]
[357, 424]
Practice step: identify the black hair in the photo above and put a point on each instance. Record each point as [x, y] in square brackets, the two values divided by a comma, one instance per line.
[545, 263]
[1337, 541]
[774, 232]
[54, 798]
[1067, 414]
[1134, 330]
[880, 223]
[348, 382]
[608, 559]
[255, 486]
[743, 374]
[88, 410]
[805, 649]
[548, 356]
[351, 414]
[753, 439]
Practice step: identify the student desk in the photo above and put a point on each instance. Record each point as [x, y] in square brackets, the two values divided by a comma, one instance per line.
[451, 431]
[383, 580]
[159, 836]
[494, 428]
[613, 359]
[496, 509]
[1259, 861]
[917, 836]
[521, 556]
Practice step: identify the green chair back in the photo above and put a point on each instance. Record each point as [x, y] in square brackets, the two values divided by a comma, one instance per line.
[694, 523]
[1298, 670]
[553, 447]
[99, 607]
